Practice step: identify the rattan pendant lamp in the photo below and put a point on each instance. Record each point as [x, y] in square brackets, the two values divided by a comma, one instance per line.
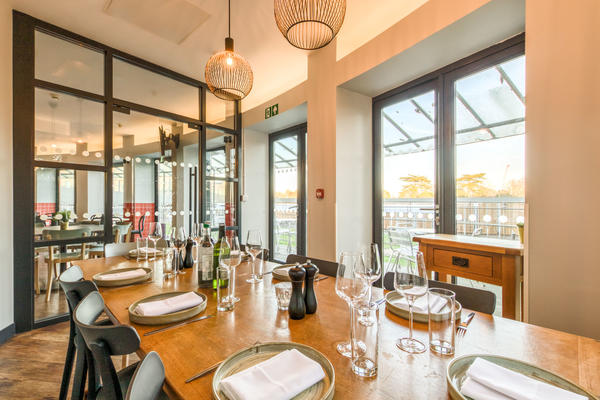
[227, 74]
[309, 24]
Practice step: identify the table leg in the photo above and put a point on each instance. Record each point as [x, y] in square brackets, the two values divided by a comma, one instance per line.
[511, 293]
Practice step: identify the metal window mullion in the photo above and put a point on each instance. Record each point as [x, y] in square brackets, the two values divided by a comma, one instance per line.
[108, 146]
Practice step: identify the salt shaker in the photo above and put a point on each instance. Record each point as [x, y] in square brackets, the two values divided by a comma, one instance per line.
[297, 308]
[310, 299]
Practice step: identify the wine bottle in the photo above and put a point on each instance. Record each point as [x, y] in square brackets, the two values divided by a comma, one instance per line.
[217, 249]
[205, 259]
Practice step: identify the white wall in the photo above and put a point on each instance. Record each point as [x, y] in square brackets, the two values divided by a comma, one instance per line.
[6, 200]
[353, 170]
[255, 209]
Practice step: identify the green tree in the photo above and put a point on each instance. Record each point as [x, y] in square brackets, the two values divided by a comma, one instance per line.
[416, 186]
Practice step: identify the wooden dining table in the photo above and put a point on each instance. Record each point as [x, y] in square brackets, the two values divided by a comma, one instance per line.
[189, 349]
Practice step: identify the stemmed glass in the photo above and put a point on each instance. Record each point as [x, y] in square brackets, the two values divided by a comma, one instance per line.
[370, 272]
[410, 280]
[351, 287]
[154, 235]
[254, 248]
[178, 239]
[230, 256]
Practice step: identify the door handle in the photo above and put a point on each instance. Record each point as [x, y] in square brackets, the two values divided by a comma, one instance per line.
[460, 262]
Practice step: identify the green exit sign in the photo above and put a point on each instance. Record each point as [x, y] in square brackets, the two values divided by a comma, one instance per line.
[271, 111]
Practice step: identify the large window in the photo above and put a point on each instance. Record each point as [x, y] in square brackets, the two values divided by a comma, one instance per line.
[108, 143]
[449, 151]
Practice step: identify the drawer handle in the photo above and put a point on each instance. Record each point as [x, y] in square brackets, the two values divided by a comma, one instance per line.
[460, 262]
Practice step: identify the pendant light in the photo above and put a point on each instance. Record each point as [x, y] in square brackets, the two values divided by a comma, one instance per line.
[309, 24]
[228, 75]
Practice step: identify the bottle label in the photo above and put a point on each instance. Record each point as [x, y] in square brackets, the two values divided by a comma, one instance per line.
[206, 270]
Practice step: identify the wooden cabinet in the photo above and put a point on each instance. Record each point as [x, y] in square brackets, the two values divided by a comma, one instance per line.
[494, 261]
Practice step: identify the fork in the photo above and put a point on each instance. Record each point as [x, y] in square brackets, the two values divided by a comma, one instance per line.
[461, 329]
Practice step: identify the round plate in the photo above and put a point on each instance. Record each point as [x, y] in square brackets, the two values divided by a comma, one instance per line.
[391, 303]
[122, 282]
[133, 254]
[244, 359]
[165, 318]
[456, 374]
[281, 272]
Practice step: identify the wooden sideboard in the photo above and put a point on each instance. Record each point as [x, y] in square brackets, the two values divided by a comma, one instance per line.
[494, 261]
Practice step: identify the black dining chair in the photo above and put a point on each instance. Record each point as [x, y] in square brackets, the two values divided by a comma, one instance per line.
[139, 381]
[325, 267]
[75, 288]
[140, 228]
[474, 299]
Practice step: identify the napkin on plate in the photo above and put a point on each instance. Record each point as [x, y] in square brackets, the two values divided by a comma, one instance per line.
[489, 381]
[279, 378]
[421, 304]
[170, 305]
[148, 250]
[134, 273]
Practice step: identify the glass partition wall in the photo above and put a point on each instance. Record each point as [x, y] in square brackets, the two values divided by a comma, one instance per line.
[448, 152]
[99, 136]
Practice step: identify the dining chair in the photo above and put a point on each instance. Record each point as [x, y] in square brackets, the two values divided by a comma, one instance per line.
[118, 249]
[140, 228]
[75, 288]
[138, 381]
[474, 299]
[54, 258]
[325, 267]
[98, 250]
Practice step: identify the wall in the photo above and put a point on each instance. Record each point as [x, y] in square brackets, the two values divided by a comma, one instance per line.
[562, 142]
[6, 201]
[353, 163]
[255, 209]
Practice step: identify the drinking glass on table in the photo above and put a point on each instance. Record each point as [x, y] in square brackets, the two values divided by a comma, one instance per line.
[141, 246]
[410, 280]
[351, 287]
[370, 272]
[442, 320]
[169, 255]
[178, 242]
[224, 302]
[154, 235]
[254, 248]
[230, 257]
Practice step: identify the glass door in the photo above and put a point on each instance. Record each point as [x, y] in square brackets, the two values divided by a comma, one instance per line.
[408, 168]
[287, 217]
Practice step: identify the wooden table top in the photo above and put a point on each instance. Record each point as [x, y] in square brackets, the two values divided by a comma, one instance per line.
[189, 349]
[492, 245]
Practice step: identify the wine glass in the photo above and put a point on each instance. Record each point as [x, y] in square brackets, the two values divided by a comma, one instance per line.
[254, 248]
[370, 271]
[235, 259]
[410, 280]
[350, 287]
[178, 238]
[154, 235]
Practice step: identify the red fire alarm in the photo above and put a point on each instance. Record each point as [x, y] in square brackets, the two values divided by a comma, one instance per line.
[320, 193]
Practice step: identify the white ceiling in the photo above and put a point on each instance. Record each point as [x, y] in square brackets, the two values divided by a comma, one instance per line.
[277, 66]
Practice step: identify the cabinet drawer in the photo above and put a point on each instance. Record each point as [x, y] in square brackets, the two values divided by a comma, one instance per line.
[472, 263]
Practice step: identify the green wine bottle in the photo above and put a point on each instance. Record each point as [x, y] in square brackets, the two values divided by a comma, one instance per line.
[217, 248]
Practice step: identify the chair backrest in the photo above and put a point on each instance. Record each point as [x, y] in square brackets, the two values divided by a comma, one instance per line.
[55, 234]
[325, 267]
[104, 341]
[118, 249]
[75, 287]
[474, 299]
[401, 241]
[476, 232]
[148, 379]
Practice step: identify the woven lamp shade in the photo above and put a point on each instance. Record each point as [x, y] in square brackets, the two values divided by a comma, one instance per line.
[309, 24]
[228, 80]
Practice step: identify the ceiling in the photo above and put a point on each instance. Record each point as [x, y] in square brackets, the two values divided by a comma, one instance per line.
[277, 66]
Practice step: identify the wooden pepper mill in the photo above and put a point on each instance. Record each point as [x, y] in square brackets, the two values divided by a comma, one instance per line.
[297, 309]
[310, 299]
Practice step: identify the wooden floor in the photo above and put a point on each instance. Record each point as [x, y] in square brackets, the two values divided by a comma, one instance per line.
[31, 363]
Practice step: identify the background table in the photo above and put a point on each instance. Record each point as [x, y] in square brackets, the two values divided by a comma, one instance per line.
[189, 349]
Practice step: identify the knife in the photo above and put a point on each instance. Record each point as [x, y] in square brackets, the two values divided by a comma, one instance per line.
[177, 325]
[204, 372]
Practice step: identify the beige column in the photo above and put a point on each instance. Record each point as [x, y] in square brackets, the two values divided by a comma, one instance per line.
[320, 150]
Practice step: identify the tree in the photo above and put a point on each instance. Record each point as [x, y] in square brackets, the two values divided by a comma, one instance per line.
[473, 185]
[416, 186]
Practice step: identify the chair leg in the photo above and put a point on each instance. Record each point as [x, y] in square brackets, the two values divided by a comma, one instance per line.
[36, 276]
[66, 377]
[49, 282]
[124, 361]
[80, 370]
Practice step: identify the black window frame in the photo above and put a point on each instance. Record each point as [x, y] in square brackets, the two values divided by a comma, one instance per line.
[442, 81]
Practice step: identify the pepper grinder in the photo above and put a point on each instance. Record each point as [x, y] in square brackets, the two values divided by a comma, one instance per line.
[310, 299]
[297, 308]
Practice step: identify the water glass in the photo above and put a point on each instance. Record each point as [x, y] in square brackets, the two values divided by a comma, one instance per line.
[141, 245]
[224, 301]
[168, 262]
[442, 329]
[283, 291]
[365, 339]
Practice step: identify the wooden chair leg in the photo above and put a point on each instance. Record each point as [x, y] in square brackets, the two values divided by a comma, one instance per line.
[49, 282]
[125, 361]
[36, 276]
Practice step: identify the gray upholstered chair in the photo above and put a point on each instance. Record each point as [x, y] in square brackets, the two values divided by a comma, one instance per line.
[325, 267]
[118, 249]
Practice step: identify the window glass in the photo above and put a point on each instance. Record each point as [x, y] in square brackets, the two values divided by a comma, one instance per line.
[219, 112]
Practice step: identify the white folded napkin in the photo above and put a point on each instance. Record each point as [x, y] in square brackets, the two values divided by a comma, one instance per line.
[421, 304]
[489, 381]
[170, 305]
[148, 250]
[134, 273]
[279, 378]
